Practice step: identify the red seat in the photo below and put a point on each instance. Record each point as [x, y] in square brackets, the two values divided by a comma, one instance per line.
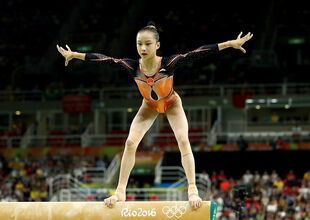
[130, 198]
[154, 198]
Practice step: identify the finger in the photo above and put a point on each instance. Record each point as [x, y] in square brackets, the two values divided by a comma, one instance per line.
[58, 48]
[242, 49]
[239, 35]
[60, 51]
[250, 37]
[245, 36]
[68, 47]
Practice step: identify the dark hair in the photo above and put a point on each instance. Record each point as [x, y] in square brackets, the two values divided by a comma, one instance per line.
[152, 28]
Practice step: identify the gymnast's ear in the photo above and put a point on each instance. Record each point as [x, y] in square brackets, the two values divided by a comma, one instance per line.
[157, 45]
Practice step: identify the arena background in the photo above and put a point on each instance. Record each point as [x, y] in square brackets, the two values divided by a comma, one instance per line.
[62, 129]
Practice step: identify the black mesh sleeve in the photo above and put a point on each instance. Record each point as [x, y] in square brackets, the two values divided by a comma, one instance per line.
[126, 64]
[176, 60]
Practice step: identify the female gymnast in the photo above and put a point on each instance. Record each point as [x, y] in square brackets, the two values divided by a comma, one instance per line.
[154, 77]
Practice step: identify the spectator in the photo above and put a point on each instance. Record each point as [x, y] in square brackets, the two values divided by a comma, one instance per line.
[307, 176]
[279, 184]
[272, 207]
[247, 177]
[274, 175]
[225, 185]
[256, 176]
[265, 176]
[221, 176]
[291, 178]
[43, 192]
[34, 194]
[214, 178]
[304, 191]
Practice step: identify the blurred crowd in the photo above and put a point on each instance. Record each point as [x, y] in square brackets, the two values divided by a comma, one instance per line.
[27, 179]
[271, 196]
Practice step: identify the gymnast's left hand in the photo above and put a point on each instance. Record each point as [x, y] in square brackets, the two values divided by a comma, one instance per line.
[237, 44]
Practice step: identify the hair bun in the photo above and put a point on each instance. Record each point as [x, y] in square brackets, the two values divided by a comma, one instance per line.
[151, 24]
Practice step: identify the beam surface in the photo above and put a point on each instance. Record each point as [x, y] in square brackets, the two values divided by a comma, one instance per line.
[98, 211]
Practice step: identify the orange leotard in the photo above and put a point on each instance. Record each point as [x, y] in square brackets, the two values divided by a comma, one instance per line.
[157, 89]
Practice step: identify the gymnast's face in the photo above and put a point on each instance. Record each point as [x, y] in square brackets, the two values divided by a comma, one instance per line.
[147, 44]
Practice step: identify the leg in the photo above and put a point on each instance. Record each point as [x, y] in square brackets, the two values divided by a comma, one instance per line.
[139, 126]
[179, 125]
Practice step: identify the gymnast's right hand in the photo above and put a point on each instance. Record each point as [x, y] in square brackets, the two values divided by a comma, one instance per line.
[68, 54]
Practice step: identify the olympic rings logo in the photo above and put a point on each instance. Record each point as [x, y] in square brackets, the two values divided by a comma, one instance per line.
[174, 211]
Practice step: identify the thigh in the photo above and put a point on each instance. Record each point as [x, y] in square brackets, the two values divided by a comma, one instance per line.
[142, 122]
[177, 119]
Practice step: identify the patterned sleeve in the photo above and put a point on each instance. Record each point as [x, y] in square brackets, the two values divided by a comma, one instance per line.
[175, 61]
[126, 64]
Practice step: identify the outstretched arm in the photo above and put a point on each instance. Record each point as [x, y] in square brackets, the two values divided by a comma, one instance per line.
[69, 55]
[237, 43]
[175, 60]
[126, 64]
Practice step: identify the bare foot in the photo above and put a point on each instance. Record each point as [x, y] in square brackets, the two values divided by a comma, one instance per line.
[193, 197]
[119, 196]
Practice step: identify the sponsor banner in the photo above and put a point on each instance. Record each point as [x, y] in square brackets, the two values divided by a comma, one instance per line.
[304, 146]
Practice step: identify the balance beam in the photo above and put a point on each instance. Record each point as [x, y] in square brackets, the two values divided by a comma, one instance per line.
[98, 211]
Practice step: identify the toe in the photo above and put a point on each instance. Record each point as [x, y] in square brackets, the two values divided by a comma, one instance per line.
[192, 204]
[198, 204]
[106, 202]
[195, 205]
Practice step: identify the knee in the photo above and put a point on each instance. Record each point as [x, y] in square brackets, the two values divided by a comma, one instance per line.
[130, 145]
[184, 144]
[183, 141]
